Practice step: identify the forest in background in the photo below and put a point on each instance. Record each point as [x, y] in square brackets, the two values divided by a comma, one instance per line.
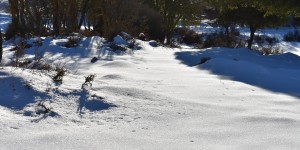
[157, 19]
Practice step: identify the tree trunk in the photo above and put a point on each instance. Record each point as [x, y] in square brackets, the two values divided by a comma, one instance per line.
[38, 18]
[56, 20]
[169, 38]
[252, 32]
[30, 19]
[84, 9]
[14, 15]
[71, 16]
[22, 18]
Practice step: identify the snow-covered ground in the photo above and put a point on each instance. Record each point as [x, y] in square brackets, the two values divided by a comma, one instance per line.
[153, 98]
[4, 6]
[5, 20]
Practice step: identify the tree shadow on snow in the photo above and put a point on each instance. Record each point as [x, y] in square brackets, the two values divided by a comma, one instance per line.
[91, 103]
[277, 73]
[16, 93]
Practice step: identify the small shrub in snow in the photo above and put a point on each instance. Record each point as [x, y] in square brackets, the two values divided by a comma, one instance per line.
[42, 108]
[39, 64]
[271, 50]
[88, 81]
[73, 41]
[60, 73]
[24, 63]
[292, 36]
[19, 53]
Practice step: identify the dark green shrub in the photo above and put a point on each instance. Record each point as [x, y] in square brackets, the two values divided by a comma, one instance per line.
[220, 39]
[187, 36]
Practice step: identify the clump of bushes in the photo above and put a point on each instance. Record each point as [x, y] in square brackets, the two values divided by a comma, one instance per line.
[221, 39]
[60, 73]
[73, 41]
[187, 36]
[263, 39]
[191, 37]
[271, 50]
[40, 64]
[292, 36]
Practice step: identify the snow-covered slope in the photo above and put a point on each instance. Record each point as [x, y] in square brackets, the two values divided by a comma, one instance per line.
[153, 98]
[5, 20]
[4, 6]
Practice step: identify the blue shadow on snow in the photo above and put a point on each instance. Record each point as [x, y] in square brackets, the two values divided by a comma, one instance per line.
[277, 73]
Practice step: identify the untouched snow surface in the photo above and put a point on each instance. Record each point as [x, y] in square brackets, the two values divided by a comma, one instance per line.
[153, 98]
[5, 20]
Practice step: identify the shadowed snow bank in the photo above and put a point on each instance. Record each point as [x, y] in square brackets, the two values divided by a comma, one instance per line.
[277, 73]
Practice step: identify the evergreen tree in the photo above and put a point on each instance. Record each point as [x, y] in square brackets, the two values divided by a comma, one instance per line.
[253, 13]
[172, 11]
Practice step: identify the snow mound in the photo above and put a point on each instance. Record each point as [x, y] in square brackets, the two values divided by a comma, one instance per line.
[277, 73]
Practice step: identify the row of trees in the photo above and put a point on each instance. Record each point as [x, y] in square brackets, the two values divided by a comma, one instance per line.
[156, 18]
[255, 14]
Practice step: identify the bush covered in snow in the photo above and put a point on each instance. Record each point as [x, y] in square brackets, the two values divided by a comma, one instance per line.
[73, 41]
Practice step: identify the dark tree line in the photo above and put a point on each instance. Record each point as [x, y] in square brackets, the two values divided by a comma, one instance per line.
[156, 18]
[254, 14]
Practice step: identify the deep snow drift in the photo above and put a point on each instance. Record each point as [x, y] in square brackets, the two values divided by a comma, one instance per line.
[153, 98]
